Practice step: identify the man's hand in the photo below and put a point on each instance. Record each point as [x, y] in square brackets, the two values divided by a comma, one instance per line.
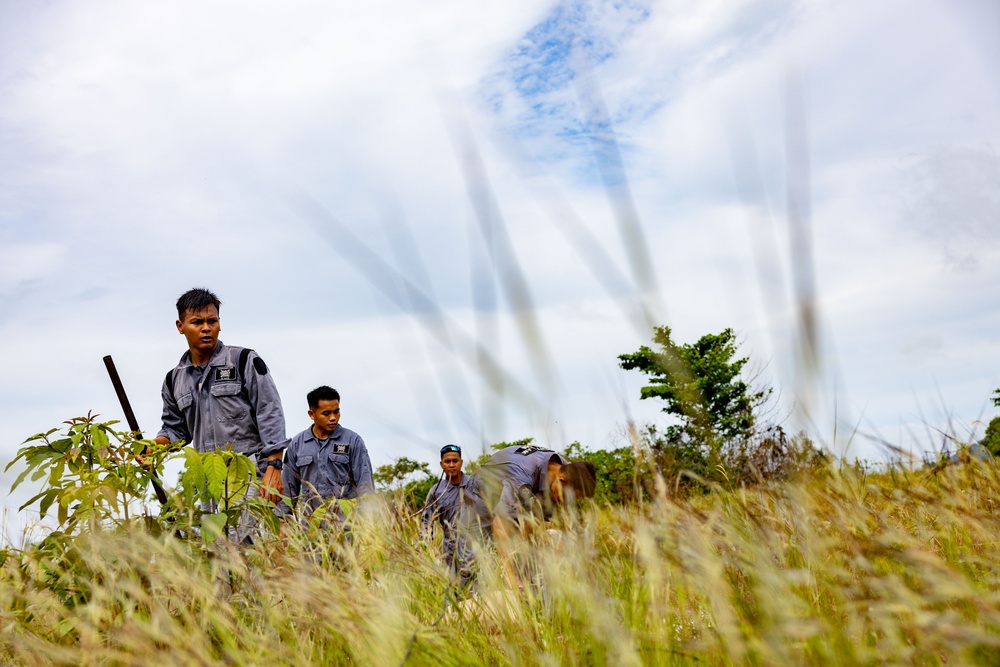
[271, 487]
[143, 460]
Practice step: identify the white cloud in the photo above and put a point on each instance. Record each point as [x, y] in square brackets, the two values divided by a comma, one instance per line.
[152, 148]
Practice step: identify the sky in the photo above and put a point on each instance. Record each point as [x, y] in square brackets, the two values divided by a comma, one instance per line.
[460, 214]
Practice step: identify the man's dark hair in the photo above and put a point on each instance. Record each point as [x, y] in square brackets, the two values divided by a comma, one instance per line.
[582, 477]
[323, 393]
[196, 299]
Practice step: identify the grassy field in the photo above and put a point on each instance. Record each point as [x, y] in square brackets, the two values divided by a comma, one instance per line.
[841, 567]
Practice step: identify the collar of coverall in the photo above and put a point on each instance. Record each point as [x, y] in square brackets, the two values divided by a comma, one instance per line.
[213, 361]
[333, 434]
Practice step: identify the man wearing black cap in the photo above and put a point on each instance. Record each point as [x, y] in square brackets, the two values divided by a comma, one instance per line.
[456, 503]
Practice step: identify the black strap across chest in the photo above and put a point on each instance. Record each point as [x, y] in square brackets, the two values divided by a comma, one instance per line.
[240, 366]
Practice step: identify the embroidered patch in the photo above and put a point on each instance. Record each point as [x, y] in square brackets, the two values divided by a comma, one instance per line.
[341, 448]
[225, 373]
[530, 449]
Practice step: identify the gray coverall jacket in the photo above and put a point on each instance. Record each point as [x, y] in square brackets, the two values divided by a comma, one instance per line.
[217, 404]
[514, 477]
[464, 517]
[316, 470]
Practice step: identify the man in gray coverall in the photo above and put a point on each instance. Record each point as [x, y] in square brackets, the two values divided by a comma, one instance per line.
[221, 396]
[522, 485]
[455, 502]
[522, 481]
[326, 460]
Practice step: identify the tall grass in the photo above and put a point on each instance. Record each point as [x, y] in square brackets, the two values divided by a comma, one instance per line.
[838, 567]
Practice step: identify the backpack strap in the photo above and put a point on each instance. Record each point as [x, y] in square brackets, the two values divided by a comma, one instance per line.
[241, 371]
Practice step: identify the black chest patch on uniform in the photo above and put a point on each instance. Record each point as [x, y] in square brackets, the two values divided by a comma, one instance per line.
[341, 448]
[225, 374]
[530, 449]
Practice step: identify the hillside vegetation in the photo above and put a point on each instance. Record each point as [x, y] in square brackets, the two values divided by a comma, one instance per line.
[717, 541]
[835, 567]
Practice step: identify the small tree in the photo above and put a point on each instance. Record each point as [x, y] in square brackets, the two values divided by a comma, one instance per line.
[991, 439]
[700, 384]
[401, 476]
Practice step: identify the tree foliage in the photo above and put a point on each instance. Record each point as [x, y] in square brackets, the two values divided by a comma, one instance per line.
[717, 440]
[619, 480]
[393, 476]
[699, 384]
[403, 476]
[991, 439]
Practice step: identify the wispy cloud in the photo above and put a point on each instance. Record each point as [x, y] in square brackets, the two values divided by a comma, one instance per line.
[955, 201]
[531, 90]
[639, 55]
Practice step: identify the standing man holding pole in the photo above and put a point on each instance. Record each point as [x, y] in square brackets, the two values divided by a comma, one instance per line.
[456, 504]
[219, 395]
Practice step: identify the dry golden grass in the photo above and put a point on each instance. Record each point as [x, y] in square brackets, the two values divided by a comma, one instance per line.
[836, 568]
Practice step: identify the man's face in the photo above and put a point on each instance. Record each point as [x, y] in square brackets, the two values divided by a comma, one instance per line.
[201, 328]
[451, 463]
[325, 417]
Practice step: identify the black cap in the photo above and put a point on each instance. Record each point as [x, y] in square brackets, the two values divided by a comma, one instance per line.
[451, 448]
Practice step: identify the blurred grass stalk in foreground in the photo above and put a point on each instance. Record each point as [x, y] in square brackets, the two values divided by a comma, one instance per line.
[838, 567]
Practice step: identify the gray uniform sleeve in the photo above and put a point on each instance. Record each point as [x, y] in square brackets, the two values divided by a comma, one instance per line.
[361, 468]
[290, 478]
[509, 505]
[263, 395]
[174, 427]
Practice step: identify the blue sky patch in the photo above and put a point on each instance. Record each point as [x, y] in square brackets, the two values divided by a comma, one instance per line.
[532, 90]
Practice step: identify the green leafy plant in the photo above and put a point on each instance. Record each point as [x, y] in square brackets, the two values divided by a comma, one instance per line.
[218, 480]
[97, 477]
[91, 474]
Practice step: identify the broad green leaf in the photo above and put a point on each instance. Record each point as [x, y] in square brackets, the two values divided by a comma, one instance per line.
[20, 478]
[193, 477]
[347, 506]
[55, 475]
[20, 454]
[140, 446]
[39, 436]
[98, 437]
[64, 627]
[215, 474]
[109, 496]
[46, 502]
[238, 477]
[31, 500]
[213, 526]
[62, 445]
[69, 495]
[63, 514]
